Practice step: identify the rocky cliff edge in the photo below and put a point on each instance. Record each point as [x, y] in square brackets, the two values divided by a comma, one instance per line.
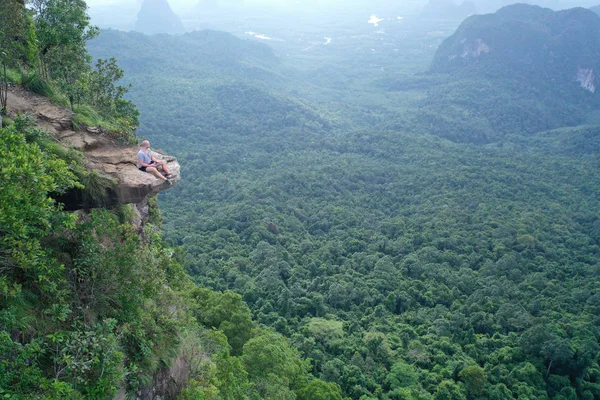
[102, 153]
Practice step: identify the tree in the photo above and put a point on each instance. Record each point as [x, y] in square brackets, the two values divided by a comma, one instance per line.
[402, 375]
[226, 312]
[556, 351]
[27, 214]
[103, 93]
[269, 358]
[320, 390]
[474, 378]
[449, 390]
[12, 23]
[63, 29]
[326, 330]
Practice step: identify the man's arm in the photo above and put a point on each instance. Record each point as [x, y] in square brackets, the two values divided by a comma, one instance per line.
[157, 161]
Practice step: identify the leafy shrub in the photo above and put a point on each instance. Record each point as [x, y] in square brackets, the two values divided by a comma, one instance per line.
[32, 81]
[6, 121]
[124, 213]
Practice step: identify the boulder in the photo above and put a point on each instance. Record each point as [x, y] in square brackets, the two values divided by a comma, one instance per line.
[121, 163]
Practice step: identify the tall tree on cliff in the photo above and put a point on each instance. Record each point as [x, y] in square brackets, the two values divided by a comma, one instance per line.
[63, 28]
[12, 16]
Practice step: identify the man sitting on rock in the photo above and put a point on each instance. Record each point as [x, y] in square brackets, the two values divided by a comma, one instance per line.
[148, 163]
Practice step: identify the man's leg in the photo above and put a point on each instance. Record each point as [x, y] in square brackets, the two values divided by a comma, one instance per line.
[163, 164]
[155, 172]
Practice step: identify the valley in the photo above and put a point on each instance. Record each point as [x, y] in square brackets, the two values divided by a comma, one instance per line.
[415, 234]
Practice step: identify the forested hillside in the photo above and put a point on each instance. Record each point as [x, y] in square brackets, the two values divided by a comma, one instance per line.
[403, 265]
[522, 69]
[93, 303]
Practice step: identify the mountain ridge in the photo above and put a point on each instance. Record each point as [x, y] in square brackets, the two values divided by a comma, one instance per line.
[525, 40]
[521, 70]
[157, 16]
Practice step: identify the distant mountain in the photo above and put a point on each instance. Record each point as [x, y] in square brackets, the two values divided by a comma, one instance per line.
[156, 16]
[559, 48]
[596, 9]
[523, 69]
[446, 9]
[210, 82]
[208, 53]
[490, 6]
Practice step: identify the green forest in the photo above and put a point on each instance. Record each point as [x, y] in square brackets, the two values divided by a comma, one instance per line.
[416, 235]
[351, 223]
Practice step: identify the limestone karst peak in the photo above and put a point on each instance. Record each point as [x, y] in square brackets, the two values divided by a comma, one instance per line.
[157, 16]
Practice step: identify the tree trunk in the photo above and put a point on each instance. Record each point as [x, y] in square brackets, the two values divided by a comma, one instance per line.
[549, 366]
[3, 92]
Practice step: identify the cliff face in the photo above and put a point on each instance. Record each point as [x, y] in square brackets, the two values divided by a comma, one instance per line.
[99, 266]
[102, 154]
[587, 79]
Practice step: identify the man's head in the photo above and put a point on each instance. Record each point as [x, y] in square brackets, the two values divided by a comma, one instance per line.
[145, 144]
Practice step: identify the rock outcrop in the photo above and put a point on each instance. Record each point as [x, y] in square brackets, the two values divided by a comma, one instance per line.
[587, 79]
[102, 153]
[134, 185]
[166, 383]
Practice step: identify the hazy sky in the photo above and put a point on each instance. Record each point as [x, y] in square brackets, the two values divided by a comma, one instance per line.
[278, 3]
[307, 3]
[402, 7]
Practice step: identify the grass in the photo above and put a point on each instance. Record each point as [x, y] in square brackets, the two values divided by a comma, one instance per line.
[13, 76]
[125, 213]
[96, 189]
[86, 115]
[70, 156]
[32, 81]
[154, 216]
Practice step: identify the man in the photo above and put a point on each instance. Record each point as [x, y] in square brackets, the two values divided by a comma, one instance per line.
[148, 163]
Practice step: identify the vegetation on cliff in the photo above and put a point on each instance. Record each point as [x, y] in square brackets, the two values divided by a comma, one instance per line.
[44, 50]
[89, 305]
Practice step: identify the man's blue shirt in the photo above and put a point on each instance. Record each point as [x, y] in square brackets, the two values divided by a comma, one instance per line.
[144, 156]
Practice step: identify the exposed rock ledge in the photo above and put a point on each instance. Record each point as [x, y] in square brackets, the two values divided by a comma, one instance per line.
[587, 79]
[101, 153]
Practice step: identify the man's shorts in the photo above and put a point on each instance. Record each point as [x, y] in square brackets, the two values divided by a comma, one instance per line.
[143, 169]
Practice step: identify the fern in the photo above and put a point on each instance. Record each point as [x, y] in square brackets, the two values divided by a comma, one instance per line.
[96, 191]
